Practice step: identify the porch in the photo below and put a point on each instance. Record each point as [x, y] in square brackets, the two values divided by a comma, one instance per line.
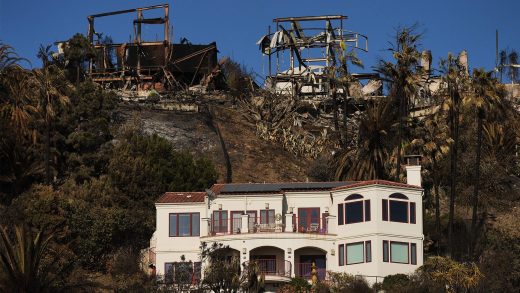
[305, 258]
[271, 262]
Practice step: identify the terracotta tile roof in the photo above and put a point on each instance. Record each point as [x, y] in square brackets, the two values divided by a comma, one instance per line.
[377, 182]
[271, 188]
[216, 188]
[181, 197]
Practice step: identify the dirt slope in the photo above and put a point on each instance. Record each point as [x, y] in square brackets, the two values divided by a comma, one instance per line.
[252, 159]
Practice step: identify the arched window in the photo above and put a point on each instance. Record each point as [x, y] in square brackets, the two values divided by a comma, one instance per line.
[354, 210]
[399, 209]
[354, 196]
[398, 196]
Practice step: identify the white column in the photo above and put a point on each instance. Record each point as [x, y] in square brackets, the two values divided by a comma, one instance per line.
[204, 227]
[245, 224]
[244, 257]
[289, 223]
[332, 224]
[290, 257]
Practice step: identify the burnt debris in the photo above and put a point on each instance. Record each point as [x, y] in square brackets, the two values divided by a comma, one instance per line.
[145, 65]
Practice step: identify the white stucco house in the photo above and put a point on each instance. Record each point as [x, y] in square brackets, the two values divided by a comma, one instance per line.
[368, 228]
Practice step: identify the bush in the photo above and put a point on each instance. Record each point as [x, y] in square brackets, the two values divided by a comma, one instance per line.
[347, 283]
[395, 282]
[296, 285]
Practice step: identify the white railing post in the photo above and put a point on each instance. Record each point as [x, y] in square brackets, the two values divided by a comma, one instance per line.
[289, 223]
[332, 224]
[245, 224]
[204, 227]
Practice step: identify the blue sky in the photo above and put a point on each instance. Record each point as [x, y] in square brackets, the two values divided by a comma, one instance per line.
[448, 26]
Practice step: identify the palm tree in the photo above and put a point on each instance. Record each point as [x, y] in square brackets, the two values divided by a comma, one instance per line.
[8, 57]
[500, 140]
[506, 65]
[404, 78]
[435, 144]
[252, 280]
[368, 161]
[45, 55]
[52, 87]
[21, 260]
[77, 51]
[502, 63]
[344, 81]
[16, 99]
[484, 96]
[453, 87]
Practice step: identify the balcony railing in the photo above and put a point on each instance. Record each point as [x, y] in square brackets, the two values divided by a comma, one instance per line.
[299, 225]
[272, 267]
[304, 270]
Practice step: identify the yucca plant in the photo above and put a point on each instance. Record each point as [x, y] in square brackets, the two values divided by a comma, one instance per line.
[21, 260]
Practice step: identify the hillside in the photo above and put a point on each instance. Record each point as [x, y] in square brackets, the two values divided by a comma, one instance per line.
[252, 159]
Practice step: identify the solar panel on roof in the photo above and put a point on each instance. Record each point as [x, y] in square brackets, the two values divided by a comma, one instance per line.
[277, 187]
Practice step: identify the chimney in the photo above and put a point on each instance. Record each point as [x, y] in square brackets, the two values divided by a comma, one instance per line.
[413, 170]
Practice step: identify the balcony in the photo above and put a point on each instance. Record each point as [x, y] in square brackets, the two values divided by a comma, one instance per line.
[247, 225]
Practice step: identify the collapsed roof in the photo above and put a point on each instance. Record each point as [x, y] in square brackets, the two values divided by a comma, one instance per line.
[141, 64]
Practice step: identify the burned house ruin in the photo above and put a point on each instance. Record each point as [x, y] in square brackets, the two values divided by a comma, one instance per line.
[142, 64]
[306, 56]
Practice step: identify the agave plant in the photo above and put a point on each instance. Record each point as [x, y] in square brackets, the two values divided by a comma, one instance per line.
[21, 260]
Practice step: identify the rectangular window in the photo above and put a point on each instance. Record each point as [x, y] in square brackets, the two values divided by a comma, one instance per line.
[182, 272]
[195, 224]
[412, 212]
[413, 253]
[173, 225]
[251, 220]
[266, 216]
[399, 252]
[197, 268]
[385, 210]
[368, 251]
[184, 224]
[220, 221]
[354, 212]
[385, 251]
[236, 221]
[340, 214]
[341, 254]
[355, 253]
[168, 272]
[367, 210]
[399, 211]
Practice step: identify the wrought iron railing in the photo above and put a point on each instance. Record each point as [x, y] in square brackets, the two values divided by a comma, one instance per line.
[273, 267]
[304, 270]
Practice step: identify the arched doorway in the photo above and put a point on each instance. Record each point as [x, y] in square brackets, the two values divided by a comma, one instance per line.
[304, 257]
[271, 261]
